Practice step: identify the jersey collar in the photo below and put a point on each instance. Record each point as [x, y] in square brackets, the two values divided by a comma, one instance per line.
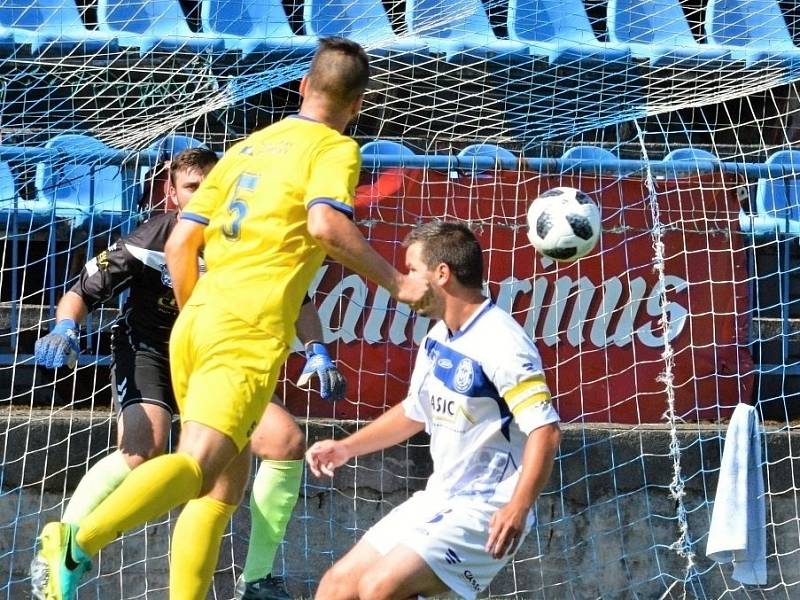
[482, 309]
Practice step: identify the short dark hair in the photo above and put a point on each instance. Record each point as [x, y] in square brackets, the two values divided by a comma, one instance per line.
[194, 158]
[339, 70]
[453, 244]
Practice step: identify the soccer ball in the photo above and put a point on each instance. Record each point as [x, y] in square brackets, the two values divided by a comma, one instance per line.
[564, 224]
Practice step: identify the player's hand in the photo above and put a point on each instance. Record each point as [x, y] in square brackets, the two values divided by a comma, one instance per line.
[59, 347]
[415, 292]
[324, 457]
[332, 384]
[506, 529]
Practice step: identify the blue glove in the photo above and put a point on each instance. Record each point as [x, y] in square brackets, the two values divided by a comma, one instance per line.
[59, 347]
[332, 383]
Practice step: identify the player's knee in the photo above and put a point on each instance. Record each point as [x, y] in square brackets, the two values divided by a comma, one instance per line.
[135, 457]
[290, 446]
[373, 586]
[336, 583]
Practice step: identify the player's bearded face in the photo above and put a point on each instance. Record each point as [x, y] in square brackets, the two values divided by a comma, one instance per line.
[419, 269]
[185, 185]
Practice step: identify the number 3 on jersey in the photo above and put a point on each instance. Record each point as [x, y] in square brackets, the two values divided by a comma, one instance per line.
[237, 208]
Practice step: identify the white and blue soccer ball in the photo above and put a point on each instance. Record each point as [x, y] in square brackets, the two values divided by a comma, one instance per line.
[564, 224]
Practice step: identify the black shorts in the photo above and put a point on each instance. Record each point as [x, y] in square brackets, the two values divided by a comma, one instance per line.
[140, 376]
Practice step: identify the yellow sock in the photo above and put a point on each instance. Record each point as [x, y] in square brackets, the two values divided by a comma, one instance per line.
[195, 547]
[149, 491]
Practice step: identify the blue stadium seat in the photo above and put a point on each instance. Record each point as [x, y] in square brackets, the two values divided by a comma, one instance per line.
[492, 151]
[9, 196]
[458, 27]
[689, 154]
[755, 30]
[385, 148]
[363, 21]
[11, 201]
[51, 26]
[153, 26]
[559, 29]
[589, 153]
[778, 199]
[173, 144]
[76, 185]
[254, 28]
[658, 31]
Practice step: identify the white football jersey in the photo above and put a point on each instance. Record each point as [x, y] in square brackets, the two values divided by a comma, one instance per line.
[480, 392]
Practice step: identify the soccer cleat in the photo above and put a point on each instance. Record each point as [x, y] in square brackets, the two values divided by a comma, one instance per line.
[266, 588]
[54, 571]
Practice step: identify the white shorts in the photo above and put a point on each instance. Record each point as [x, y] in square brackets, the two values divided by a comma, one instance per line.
[450, 535]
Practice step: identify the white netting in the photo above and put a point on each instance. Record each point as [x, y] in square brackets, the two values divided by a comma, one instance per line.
[686, 308]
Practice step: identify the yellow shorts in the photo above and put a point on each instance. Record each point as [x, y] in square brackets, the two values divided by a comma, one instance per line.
[224, 371]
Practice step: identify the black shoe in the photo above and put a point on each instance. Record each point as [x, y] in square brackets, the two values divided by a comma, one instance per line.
[266, 588]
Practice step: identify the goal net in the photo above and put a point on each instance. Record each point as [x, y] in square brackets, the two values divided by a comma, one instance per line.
[678, 118]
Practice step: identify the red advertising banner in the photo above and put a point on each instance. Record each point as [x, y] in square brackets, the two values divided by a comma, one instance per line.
[619, 337]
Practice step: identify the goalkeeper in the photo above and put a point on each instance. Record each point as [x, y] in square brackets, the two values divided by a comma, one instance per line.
[141, 381]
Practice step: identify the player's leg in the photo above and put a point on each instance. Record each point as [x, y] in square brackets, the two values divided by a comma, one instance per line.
[280, 445]
[399, 575]
[436, 552]
[198, 532]
[142, 391]
[143, 394]
[341, 581]
[143, 432]
[223, 375]
[226, 373]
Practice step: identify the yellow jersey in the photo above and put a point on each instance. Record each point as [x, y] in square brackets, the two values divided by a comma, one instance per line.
[259, 256]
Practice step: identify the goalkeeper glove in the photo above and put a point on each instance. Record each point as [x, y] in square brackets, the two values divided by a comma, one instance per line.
[332, 383]
[59, 347]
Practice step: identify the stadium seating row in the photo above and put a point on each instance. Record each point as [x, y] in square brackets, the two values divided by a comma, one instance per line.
[655, 31]
[75, 187]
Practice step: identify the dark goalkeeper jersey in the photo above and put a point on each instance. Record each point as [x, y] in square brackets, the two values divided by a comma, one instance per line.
[136, 262]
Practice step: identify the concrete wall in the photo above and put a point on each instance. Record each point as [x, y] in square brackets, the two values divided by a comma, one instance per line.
[606, 523]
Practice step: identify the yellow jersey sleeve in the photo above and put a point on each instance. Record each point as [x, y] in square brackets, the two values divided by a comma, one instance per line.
[333, 175]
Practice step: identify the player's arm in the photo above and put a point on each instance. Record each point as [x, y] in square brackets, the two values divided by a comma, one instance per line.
[187, 239]
[391, 428]
[342, 240]
[182, 251]
[508, 523]
[101, 278]
[332, 384]
[329, 201]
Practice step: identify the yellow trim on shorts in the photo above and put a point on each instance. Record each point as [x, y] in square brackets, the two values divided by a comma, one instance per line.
[525, 394]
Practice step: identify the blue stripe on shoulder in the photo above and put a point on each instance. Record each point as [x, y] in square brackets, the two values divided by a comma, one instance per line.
[194, 217]
[340, 206]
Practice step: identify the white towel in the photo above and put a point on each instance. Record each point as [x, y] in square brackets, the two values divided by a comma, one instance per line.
[738, 525]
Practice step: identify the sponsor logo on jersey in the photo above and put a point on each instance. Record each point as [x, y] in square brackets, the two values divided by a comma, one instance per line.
[445, 363]
[464, 376]
[451, 557]
[102, 260]
[168, 303]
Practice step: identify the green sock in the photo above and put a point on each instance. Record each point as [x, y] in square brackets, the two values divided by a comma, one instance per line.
[102, 479]
[274, 495]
